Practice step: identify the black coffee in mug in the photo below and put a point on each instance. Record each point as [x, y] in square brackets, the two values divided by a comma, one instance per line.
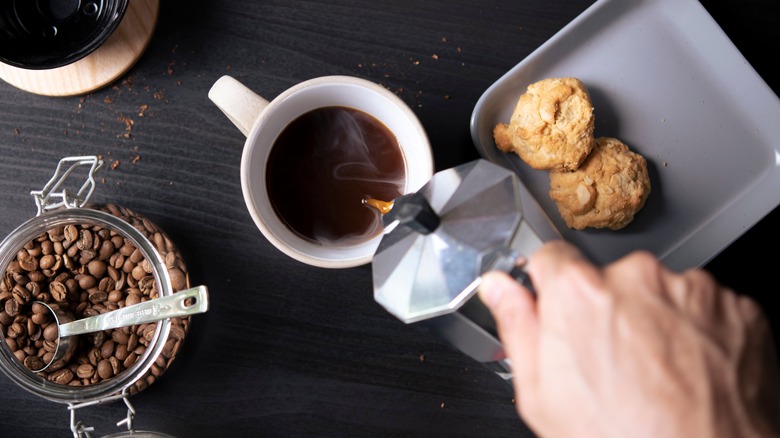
[324, 164]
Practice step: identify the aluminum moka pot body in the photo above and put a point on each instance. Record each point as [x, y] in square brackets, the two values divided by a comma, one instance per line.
[438, 242]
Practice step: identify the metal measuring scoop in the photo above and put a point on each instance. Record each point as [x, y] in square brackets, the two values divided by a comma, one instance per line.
[184, 303]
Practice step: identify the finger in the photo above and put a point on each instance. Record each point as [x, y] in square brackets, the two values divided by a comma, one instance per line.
[545, 265]
[639, 272]
[514, 310]
[564, 280]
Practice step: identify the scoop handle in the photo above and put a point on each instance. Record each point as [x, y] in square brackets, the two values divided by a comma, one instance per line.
[171, 306]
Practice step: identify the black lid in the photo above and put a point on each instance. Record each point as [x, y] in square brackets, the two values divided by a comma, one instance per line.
[46, 34]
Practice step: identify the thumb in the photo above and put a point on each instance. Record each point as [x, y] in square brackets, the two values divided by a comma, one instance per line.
[514, 310]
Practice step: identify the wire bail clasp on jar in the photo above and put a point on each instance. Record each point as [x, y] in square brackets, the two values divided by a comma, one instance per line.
[82, 430]
[54, 195]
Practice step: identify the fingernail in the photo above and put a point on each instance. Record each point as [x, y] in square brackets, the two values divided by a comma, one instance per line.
[490, 290]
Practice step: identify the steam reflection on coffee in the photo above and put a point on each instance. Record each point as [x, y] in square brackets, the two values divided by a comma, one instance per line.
[322, 167]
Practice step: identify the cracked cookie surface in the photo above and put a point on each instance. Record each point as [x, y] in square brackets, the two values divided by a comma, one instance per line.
[608, 189]
[551, 127]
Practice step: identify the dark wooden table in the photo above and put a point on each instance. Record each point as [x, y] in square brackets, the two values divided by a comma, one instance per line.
[287, 349]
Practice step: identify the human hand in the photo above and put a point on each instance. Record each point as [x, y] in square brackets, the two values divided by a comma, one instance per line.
[633, 349]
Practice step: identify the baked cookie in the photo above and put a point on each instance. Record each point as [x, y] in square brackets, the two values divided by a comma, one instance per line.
[551, 126]
[609, 188]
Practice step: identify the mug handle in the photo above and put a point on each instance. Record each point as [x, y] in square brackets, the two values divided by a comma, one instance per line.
[240, 104]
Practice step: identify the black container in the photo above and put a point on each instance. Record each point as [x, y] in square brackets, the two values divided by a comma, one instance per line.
[46, 34]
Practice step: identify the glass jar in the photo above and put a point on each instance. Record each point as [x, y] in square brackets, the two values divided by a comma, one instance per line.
[143, 264]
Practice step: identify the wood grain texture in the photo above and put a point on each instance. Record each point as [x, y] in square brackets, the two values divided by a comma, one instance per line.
[287, 349]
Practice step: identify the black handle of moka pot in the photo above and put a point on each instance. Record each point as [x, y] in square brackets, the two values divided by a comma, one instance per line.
[506, 260]
[413, 210]
[511, 262]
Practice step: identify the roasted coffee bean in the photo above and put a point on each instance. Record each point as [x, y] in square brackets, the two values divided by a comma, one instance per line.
[40, 318]
[71, 233]
[98, 338]
[39, 309]
[86, 281]
[68, 262]
[62, 376]
[121, 352]
[12, 344]
[149, 332]
[132, 342]
[85, 371]
[130, 359]
[86, 256]
[160, 243]
[132, 298]
[178, 279]
[16, 330]
[36, 276]
[58, 291]
[20, 355]
[89, 270]
[5, 318]
[27, 261]
[170, 261]
[33, 330]
[94, 356]
[85, 240]
[120, 337]
[47, 247]
[47, 261]
[177, 332]
[72, 287]
[167, 350]
[51, 332]
[128, 266]
[140, 385]
[116, 261]
[113, 273]
[89, 311]
[115, 296]
[21, 295]
[136, 257]
[106, 250]
[12, 307]
[117, 240]
[146, 284]
[138, 272]
[104, 369]
[116, 365]
[127, 248]
[107, 348]
[97, 297]
[33, 363]
[106, 284]
[34, 288]
[49, 346]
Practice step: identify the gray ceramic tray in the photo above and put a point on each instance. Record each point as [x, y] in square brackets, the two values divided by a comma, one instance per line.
[666, 80]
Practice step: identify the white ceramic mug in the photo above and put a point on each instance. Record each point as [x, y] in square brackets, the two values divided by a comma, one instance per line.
[262, 122]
